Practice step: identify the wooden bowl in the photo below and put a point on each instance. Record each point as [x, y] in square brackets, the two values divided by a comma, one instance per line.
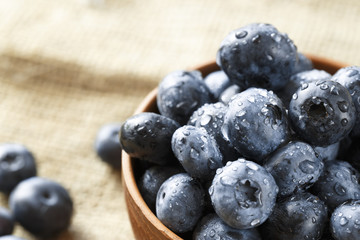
[144, 223]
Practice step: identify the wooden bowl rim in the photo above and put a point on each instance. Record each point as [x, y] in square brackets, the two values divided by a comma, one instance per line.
[128, 177]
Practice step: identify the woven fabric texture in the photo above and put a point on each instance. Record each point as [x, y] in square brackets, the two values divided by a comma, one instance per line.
[68, 67]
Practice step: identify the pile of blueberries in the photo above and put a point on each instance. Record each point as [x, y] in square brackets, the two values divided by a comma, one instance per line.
[267, 147]
[40, 205]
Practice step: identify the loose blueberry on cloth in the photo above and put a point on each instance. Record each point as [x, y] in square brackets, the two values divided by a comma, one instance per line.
[41, 206]
[107, 144]
[17, 163]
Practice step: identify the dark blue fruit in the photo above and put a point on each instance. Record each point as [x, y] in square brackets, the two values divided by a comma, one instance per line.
[338, 183]
[256, 123]
[211, 117]
[7, 222]
[180, 203]
[150, 182]
[228, 93]
[243, 194]
[298, 80]
[212, 227]
[16, 164]
[197, 151]
[257, 55]
[147, 136]
[349, 77]
[328, 153]
[294, 166]
[107, 144]
[298, 217]
[303, 64]
[180, 93]
[41, 206]
[345, 221]
[217, 82]
[322, 112]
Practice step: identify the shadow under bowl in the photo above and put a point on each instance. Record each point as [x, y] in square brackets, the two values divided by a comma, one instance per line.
[145, 225]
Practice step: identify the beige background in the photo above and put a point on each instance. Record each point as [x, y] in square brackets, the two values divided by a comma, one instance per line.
[69, 66]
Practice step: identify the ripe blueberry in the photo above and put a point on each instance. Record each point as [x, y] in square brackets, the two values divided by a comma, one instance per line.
[298, 80]
[212, 227]
[257, 55]
[107, 144]
[16, 164]
[180, 93]
[228, 93]
[41, 206]
[180, 203]
[338, 183]
[255, 123]
[217, 82]
[151, 180]
[197, 151]
[303, 64]
[300, 216]
[211, 117]
[329, 152]
[322, 112]
[147, 136]
[243, 194]
[294, 166]
[349, 77]
[345, 221]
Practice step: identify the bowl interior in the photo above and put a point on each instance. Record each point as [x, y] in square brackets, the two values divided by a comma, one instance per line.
[144, 223]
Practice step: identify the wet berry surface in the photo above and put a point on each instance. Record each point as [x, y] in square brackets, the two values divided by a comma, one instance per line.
[267, 147]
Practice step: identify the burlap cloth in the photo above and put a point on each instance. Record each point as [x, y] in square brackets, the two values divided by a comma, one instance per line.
[69, 66]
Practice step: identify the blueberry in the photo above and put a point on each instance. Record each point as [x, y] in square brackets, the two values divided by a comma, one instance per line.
[328, 153]
[298, 80]
[197, 151]
[147, 136]
[107, 144]
[212, 227]
[349, 77]
[345, 221]
[180, 203]
[211, 117]
[7, 222]
[228, 93]
[217, 82]
[338, 183]
[256, 123]
[150, 182]
[257, 55]
[303, 64]
[41, 206]
[297, 217]
[243, 194]
[294, 166]
[322, 112]
[16, 164]
[180, 93]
